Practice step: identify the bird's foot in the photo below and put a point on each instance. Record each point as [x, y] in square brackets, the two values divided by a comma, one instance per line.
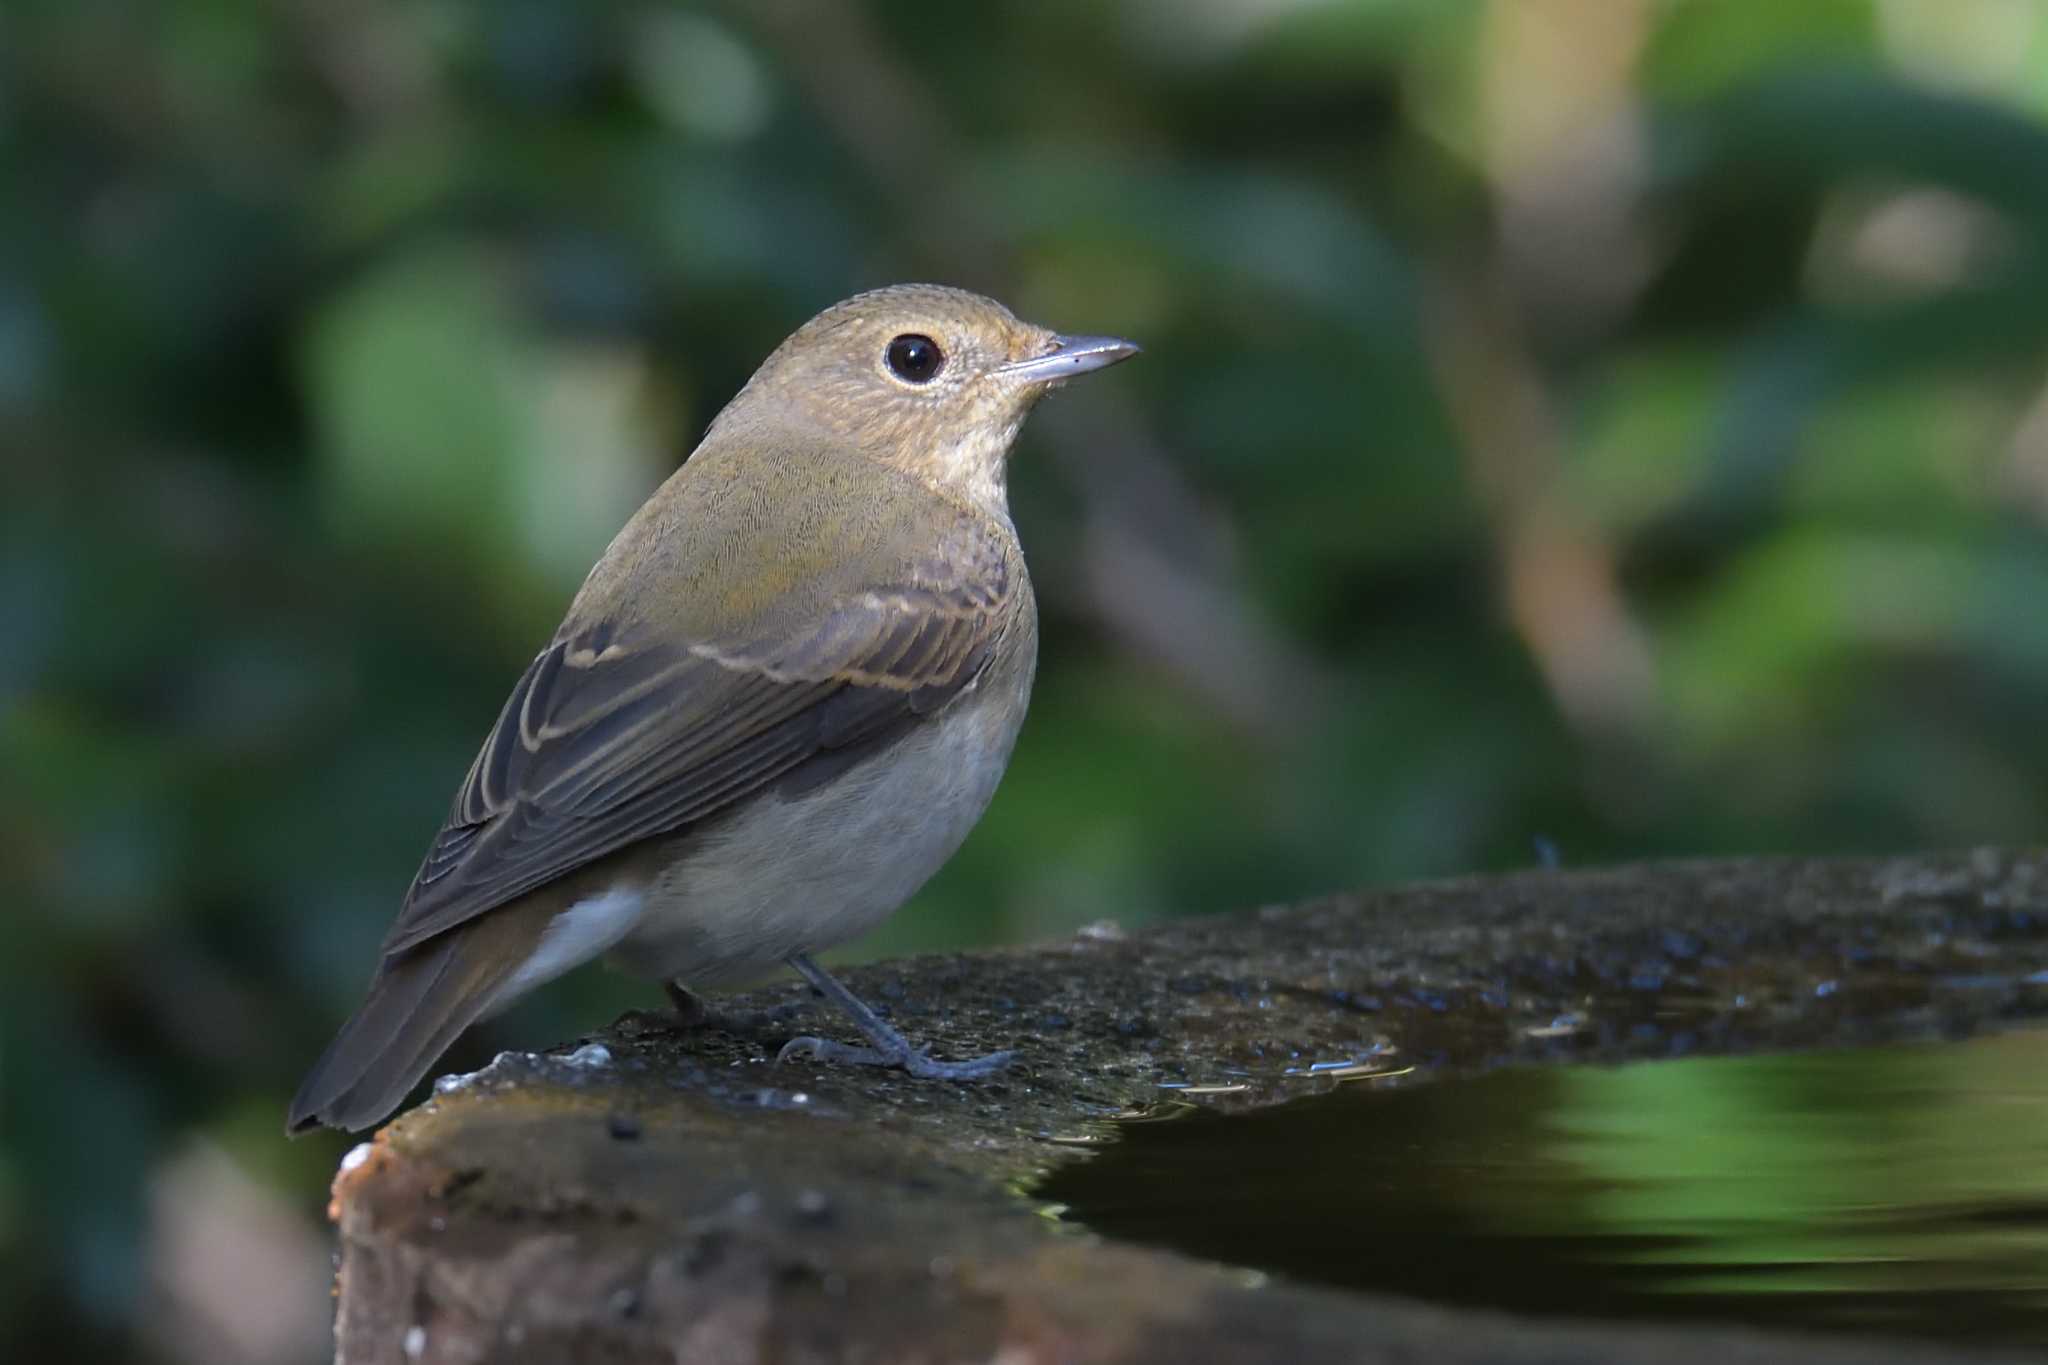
[887, 1046]
[692, 1013]
[908, 1058]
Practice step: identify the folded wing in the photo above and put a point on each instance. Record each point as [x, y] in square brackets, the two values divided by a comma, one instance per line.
[616, 734]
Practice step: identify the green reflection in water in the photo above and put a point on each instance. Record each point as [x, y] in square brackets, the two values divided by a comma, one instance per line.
[1899, 1170]
[1900, 1190]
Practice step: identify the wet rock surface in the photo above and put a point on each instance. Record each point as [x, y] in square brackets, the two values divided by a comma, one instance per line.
[655, 1193]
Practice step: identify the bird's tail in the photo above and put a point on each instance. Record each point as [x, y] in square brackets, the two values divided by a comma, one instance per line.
[421, 999]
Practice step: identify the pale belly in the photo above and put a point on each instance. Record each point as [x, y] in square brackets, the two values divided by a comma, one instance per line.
[801, 875]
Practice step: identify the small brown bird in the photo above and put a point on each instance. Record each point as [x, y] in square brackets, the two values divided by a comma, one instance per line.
[776, 707]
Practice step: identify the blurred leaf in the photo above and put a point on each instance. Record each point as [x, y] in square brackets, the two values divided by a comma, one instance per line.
[1640, 452]
[1705, 46]
[421, 384]
[1792, 623]
[445, 418]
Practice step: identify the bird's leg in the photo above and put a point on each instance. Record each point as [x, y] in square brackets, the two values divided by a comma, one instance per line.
[890, 1048]
[693, 1013]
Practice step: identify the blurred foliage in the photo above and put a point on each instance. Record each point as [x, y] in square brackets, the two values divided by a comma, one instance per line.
[1615, 422]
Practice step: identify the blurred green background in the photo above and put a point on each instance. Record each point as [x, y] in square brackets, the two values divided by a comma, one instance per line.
[1610, 425]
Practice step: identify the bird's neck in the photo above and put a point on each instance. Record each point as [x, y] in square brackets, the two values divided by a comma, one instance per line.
[973, 469]
[970, 470]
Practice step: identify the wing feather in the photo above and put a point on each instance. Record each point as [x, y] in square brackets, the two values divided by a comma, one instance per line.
[613, 736]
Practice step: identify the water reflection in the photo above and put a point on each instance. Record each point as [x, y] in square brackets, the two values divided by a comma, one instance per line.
[1895, 1190]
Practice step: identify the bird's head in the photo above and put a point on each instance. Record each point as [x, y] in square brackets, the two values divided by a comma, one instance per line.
[929, 379]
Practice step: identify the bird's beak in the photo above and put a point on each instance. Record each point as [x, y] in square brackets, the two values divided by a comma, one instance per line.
[1071, 356]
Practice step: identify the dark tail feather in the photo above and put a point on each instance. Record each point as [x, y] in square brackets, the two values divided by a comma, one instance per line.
[421, 1000]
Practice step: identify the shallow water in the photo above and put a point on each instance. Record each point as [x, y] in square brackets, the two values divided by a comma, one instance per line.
[1901, 1191]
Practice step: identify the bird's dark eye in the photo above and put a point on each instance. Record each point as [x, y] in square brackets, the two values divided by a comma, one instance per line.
[915, 358]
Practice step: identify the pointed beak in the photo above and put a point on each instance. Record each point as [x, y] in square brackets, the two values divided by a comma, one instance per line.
[1071, 356]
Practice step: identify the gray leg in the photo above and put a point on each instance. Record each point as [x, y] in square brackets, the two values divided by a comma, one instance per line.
[890, 1047]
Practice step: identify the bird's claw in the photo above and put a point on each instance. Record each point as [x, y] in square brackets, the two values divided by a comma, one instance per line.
[973, 1069]
[908, 1059]
[825, 1050]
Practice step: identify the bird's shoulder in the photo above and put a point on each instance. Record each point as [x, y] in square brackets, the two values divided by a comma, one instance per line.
[757, 539]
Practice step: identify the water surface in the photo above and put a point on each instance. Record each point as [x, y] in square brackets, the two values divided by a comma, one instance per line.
[1892, 1190]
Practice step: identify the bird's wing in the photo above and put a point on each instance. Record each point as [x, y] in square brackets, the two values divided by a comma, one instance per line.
[616, 734]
